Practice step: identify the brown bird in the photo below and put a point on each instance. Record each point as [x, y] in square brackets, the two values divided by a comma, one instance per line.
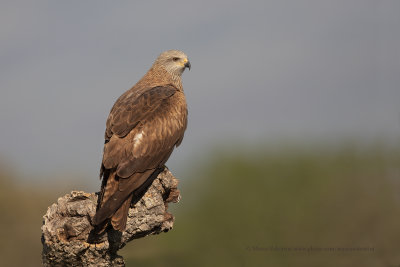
[145, 124]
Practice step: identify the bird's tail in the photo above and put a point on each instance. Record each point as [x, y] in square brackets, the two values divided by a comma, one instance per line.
[118, 220]
[116, 197]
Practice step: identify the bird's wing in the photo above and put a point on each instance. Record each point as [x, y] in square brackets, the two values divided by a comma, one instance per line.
[143, 131]
[134, 106]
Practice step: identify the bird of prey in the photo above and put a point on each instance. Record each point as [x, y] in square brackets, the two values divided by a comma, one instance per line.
[145, 124]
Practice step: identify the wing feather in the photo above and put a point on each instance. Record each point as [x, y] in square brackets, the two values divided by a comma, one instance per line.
[157, 127]
[132, 107]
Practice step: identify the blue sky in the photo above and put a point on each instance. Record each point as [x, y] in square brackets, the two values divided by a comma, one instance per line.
[261, 71]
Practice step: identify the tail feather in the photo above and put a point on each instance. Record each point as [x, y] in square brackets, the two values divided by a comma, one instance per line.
[109, 188]
[118, 220]
[116, 193]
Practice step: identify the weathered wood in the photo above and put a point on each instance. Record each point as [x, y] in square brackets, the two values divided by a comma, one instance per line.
[67, 224]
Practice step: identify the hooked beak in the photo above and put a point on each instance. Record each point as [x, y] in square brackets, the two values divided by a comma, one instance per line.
[187, 65]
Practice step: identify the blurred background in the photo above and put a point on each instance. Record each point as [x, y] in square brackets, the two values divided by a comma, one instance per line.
[291, 156]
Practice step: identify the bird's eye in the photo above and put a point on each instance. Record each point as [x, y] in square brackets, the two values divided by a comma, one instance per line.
[175, 59]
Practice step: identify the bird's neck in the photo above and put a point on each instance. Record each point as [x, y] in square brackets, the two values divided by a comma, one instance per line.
[160, 77]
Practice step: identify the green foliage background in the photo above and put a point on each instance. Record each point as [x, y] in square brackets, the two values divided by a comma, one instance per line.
[239, 204]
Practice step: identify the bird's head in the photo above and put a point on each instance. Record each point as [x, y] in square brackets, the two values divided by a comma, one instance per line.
[173, 61]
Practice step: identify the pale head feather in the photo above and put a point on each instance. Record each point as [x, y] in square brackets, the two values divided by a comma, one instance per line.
[173, 61]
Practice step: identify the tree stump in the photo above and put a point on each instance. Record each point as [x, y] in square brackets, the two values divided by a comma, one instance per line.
[67, 224]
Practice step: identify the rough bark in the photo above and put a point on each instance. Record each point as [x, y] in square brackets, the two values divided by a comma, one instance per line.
[67, 224]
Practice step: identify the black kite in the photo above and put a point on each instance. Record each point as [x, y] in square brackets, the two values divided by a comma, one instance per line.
[143, 128]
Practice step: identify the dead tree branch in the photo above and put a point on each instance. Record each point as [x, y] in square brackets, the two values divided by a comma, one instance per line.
[67, 224]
